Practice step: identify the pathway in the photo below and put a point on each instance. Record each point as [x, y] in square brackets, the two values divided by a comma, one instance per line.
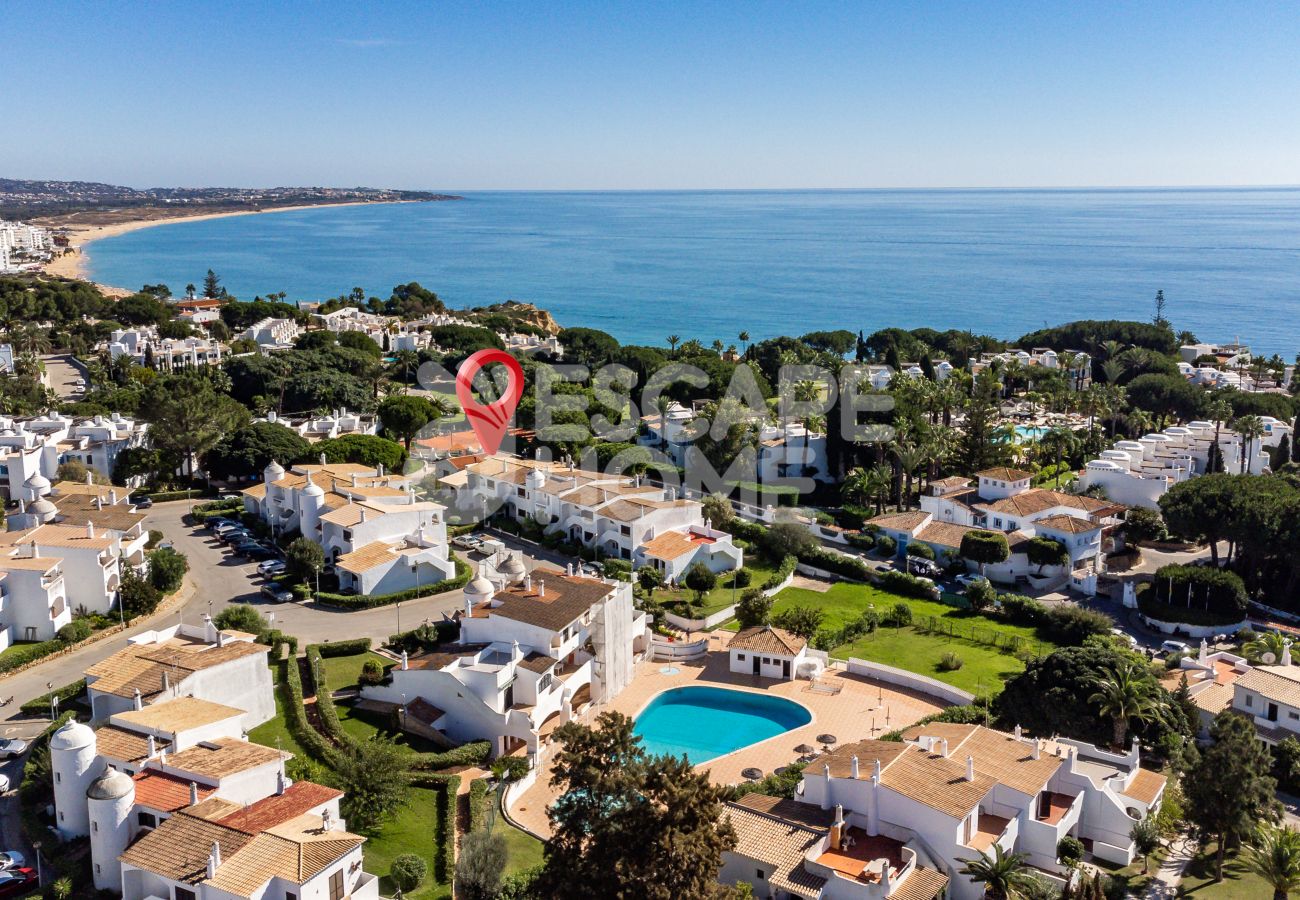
[1164, 883]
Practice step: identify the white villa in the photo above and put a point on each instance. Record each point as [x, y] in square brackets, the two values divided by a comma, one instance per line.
[534, 649]
[879, 819]
[143, 345]
[1138, 473]
[371, 527]
[1075, 364]
[773, 653]
[176, 802]
[618, 515]
[32, 449]
[332, 424]
[1004, 501]
[271, 334]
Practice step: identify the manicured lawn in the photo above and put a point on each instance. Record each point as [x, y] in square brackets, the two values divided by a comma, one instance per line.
[1135, 883]
[523, 851]
[275, 733]
[411, 830]
[1238, 882]
[342, 672]
[720, 597]
[917, 648]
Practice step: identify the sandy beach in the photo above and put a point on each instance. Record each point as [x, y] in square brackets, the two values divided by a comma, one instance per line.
[74, 264]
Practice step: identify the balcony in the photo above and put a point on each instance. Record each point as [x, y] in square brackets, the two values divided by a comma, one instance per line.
[987, 833]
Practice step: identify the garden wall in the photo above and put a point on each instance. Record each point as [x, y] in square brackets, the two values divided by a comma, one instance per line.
[912, 681]
[675, 650]
[1196, 631]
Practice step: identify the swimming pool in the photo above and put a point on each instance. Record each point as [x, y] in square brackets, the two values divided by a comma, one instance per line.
[702, 723]
[1030, 432]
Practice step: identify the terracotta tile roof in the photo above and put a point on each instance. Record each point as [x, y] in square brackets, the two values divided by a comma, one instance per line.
[123, 745]
[179, 714]
[906, 521]
[945, 534]
[1213, 699]
[142, 666]
[841, 758]
[63, 489]
[804, 814]
[257, 491]
[165, 792]
[566, 599]
[627, 509]
[443, 656]
[1002, 473]
[1068, 524]
[766, 639]
[1037, 500]
[350, 515]
[296, 858]
[214, 809]
[223, 757]
[178, 848]
[31, 563]
[423, 711]
[366, 558]
[778, 844]
[671, 545]
[998, 754]
[1146, 786]
[298, 798]
[537, 662]
[951, 483]
[114, 518]
[596, 494]
[69, 536]
[1277, 683]
[936, 781]
[923, 884]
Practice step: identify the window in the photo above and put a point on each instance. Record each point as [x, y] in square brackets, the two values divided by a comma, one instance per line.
[336, 886]
[147, 820]
[97, 869]
[184, 894]
[759, 873]
[290, 895]
[58, 777]
[94, 826]
[1292, 714]
[1250, 700]
[740, 657]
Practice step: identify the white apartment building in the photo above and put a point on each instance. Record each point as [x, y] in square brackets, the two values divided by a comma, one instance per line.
[1138, 473]
[1074, 364]
[336, 423]
[371, 527]
[33, 597]
[19, 238]
[176, 802]
[620, 516]
[1228, 355]
[1003, 500]
[534, 650]
[272, 334]
[879, 819]
[164, 354]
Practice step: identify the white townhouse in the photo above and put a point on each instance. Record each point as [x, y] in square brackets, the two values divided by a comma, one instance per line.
[271, 334]
[33, 598]
[332, 424]
[878, 819]
[534, 650]
[618, 515]
[32, 449]
[154, 774]
[770, 652]
[146, 348]
[156, 667]
[1138, 473]
[1076, 365]
[1269, 696]
[370, 525]
[1227, 355]
[1003, 500]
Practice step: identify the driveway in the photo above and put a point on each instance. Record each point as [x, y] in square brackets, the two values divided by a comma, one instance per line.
[63, 372]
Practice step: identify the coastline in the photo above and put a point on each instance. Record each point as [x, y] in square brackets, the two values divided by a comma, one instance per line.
[74, 265]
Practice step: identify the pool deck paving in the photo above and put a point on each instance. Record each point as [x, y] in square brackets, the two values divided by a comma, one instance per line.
[861, 709]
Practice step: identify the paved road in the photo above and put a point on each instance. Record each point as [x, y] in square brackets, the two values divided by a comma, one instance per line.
[64, 371]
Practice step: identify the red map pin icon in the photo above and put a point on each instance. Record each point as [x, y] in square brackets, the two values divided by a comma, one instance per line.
[491, 421]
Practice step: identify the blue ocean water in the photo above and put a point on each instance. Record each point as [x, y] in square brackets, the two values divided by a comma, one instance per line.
[702, 723]
[709, 264]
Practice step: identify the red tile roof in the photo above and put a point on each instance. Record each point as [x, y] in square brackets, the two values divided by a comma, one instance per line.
[299, 798]
[165, 792]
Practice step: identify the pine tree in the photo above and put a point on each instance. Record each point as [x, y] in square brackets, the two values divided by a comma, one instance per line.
[212, 286]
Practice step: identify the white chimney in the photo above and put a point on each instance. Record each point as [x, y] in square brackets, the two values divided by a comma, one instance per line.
[112, 496]
[1034, 751]
[280, 785]
[214, 860]
[875, 770]
[152, 750]
[137, 701]
[854, 763]
[89, 478]
[1017, 732]
[166, 681]
[970, 768]
[194, 793]
[541, 587]
[528, 581]
[406, 662]
[90, 530]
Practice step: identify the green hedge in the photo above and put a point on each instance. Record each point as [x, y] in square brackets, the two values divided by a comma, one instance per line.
[444, 865]
[40, 705]
[344, 648]
[295, 715]
[164, 496]
[21, 654]
[783, 571]
[479, 794]
[902, 583]
[474, 753]
[371, 601]
[844, 566]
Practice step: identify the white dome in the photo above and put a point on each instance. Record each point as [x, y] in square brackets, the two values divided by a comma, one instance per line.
[112, 785]
[72, 736]
[312, 489]
[43, 507]
[480, 586]
[273, 472]
[37, 482]
[513, 568]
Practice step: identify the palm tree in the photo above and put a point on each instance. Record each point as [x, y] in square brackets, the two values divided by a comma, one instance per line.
[405, 361]
[1265, 642]
[743, 337]
[1250, 428]
[1127, 694]
[1274, 855]
[1219, 410]
[911, 456]
[1060, 442]
[673, 341]
[867, 486]
[1003, 875]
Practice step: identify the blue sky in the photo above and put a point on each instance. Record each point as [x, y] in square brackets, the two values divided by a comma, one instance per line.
[609, 95]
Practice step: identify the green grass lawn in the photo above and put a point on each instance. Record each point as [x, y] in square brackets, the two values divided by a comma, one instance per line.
[1135, 883]
[984, 667]
[342, 672]
[1238, 882]
[275, 732]
[720, 597]
[411, 830]
[523, 851]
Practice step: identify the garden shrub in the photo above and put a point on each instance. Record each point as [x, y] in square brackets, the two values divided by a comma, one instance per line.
[1071, 625]
[408, 872]
[743, 578]
[1219, 592]
[372, 672]
[1022, 610]
[76, 630]
[344, 648]
[905, 584]
[886, 545]
[921, 550]
[950, 662]
[899, 616]
[20, 655]
[863, 541]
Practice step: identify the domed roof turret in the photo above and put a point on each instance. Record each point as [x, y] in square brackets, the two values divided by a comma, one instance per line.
[72, 736]
[480, 587]
[37, 482]
[273, 472]
[112, 785]
[312, 489]
[513, 568]
[44, 509]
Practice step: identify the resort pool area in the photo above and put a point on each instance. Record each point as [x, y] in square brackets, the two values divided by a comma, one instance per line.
[702, 723]
[1030, 432]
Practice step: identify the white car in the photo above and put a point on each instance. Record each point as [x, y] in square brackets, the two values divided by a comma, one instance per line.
[271, 567]
[1124, 636]
[11, 748]
[1175, 647]
[967, 580]
[4, 784]
[11, 859]
[491, 546]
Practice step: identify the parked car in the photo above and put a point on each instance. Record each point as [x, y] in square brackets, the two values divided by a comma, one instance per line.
[918, 566]
[143, 503]
[4, 784]
[967, 580]
[234, 535]
[253, 550]
[11, 748]
[226, 525]
[1175, 647]
[228, 495]
[277, 594]
[11, 859]
[467, 542]
[17, 880]
[1124, 636]
[216, 522]
[271, 567]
